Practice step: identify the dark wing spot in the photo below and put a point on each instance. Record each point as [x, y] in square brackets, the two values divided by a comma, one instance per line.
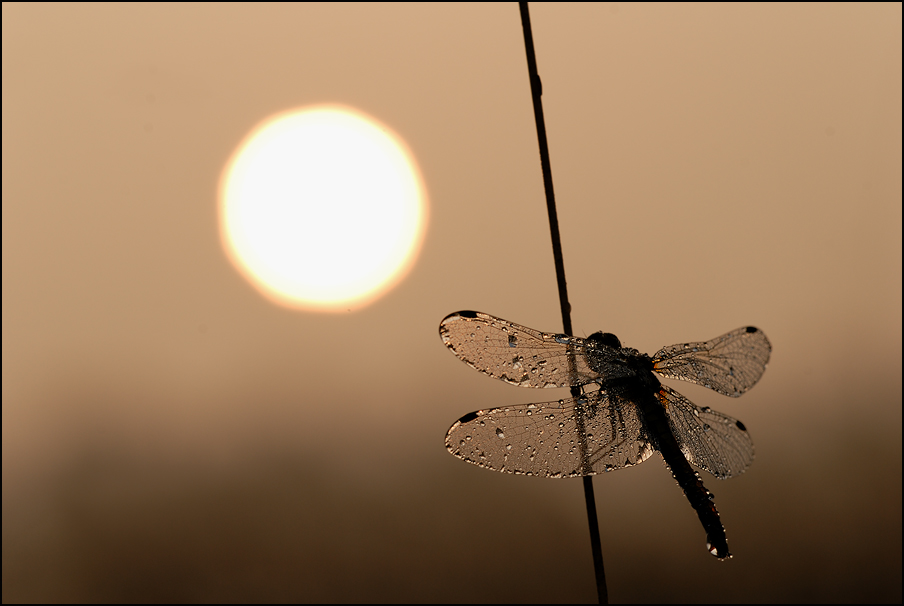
[468, 417]
[740, 426]
[473, 314]
[752, 329]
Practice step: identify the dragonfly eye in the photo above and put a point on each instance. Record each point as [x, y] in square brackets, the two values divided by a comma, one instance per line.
[605, 338]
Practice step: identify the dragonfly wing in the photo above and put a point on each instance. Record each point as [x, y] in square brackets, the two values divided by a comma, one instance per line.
[516, 354]
[545, 439]
[708, 439]
[730, 364]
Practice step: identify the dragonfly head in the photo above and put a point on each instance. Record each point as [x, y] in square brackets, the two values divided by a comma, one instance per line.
[605, 338]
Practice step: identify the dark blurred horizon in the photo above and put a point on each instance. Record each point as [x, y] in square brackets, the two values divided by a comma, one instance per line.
[170, 435]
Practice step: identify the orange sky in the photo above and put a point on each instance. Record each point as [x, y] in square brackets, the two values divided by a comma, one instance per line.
[169, 434]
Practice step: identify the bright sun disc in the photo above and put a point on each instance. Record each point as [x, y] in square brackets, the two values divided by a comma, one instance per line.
[322, 208]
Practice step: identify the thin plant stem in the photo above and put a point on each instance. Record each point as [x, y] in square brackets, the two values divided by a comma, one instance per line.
[536, 91]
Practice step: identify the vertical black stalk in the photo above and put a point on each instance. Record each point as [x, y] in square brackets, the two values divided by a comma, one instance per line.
[536, 91]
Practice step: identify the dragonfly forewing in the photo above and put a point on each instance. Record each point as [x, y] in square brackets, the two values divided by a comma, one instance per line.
[730, 364]
[544, 439]
[517, 354]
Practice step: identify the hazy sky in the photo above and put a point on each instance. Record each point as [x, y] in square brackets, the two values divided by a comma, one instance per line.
[171, 435]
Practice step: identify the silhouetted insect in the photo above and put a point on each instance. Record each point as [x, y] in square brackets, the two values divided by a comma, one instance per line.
[623, 415]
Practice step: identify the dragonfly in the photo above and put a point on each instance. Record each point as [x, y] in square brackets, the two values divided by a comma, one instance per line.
[622, 415]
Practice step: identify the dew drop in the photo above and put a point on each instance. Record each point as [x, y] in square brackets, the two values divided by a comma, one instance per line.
[499, 432]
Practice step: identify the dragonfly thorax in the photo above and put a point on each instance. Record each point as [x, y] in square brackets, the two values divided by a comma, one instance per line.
[613, 363]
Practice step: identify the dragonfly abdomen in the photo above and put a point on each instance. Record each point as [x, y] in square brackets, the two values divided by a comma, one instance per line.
[699, 497]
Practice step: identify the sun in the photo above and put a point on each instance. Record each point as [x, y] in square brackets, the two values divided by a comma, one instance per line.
[322, 208]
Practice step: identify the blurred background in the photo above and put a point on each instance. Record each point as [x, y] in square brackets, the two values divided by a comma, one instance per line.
[169, 434]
